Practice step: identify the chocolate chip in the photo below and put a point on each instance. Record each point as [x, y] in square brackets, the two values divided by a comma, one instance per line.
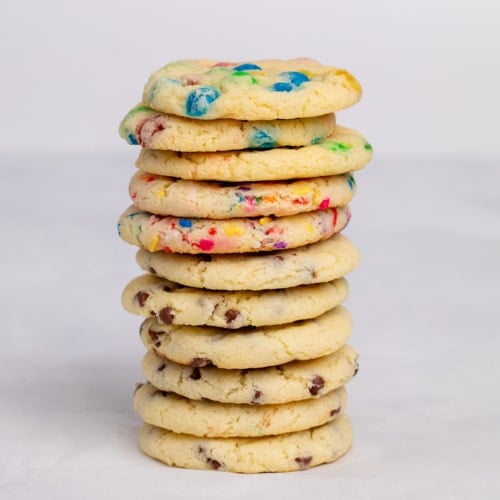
[256, 397]
[231, 315]
[141, 297]
[195, 374]
[335, 411]
[166, 315]
[152, 270]
[166, 288]
[200, 362]
[317, 384]
[162, 367]
[214, 464]
[153, 334]
[304, 462]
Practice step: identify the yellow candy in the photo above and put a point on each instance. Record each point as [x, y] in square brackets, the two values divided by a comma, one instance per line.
[233, 230]
[153, 245]
[309, 228]
[349, 79]
[301, 191]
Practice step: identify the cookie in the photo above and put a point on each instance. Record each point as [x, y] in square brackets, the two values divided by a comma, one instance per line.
[273, 385]
[208, 419]
[154, 130]
[240, 235]
[260, 90]
[323, 261]
[197, 346]
[172, 303]
[283, 453]
[345, 150]
[183, 198]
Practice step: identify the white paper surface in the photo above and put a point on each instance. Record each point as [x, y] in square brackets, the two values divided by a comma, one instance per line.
[425, 301]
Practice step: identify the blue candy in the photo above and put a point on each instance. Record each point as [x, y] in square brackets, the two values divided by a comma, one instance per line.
[199, 100]
[261, 140]
[246, 67]
[185, 223]
[295, 78]
[281, 87]
[132, 139]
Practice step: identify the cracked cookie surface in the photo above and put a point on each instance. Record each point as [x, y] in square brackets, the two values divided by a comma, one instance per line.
[171, 303]
[293, 381]
[317, 263]
[248, 347]
[162, 195]
[259, 90]
[239, 235]
[153, 130]
[209, 419]
[282, 453]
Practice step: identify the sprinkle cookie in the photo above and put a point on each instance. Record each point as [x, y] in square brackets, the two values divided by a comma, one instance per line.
[345, 150]
[197, 346]
[153, 130]
[264, 234]
[260, 90]
[182, 198]
[173, 304]
[274, 385]
[282, 453]
[209, 419]
[323, 261]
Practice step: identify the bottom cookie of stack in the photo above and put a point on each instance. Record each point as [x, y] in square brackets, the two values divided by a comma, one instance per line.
[281, 453]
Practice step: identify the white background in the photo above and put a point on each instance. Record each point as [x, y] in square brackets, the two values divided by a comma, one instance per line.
[425, 405]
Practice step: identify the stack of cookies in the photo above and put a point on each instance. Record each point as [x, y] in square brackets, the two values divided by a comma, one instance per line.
[241, 192]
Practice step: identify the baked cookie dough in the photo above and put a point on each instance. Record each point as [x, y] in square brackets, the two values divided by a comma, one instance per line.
[259, 90]
[209, 419]
[273, 385]
[198, 346]
[240, 235]
[345, 150]
[153, 130]
[323, 261]
[282, 453]
[162, 195]
[172, 303]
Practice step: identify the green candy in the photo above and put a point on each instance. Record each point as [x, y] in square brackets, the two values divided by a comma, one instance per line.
[240, 74]
[336, 146]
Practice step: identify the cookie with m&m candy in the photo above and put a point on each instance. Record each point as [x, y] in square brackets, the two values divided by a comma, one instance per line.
[152, 129]
[260, 90]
